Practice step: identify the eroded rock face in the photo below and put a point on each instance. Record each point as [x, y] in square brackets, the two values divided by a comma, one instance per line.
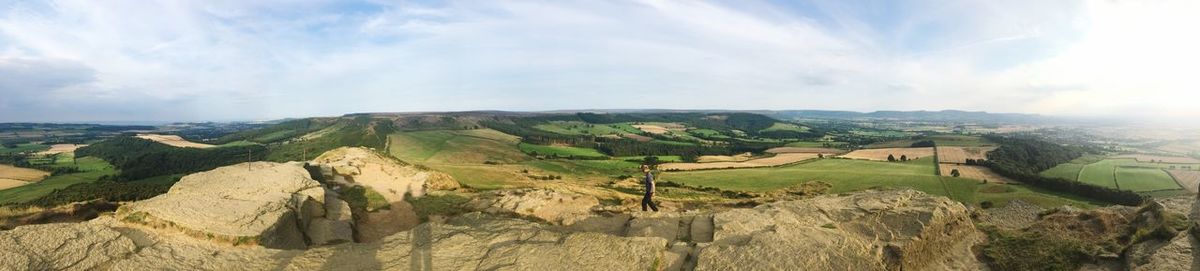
[562, 208]
[877, 230]
[883, 230]
[272, 204]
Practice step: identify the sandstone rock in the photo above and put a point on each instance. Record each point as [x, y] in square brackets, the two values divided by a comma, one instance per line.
[562, 208]
[1178, 254]
[877, 230]
[667, 228]
[64, 246]
[390, 177]
[262, 201]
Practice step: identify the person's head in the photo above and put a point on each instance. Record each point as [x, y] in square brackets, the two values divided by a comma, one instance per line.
[645, 168]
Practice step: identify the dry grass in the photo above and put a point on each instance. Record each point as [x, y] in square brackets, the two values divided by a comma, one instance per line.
[777, 160]
[961, 154]
[882, 154]
[10, 183]
[11, 211]
[22, 174]
[62, 148]
[973, 172]
[1160, 158]
[805, 150]
[1190, 180]
[637, 137]
[653, 129]
[724, 158]
[173, 140]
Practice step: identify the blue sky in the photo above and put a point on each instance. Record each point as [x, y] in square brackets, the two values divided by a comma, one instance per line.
[241, 60]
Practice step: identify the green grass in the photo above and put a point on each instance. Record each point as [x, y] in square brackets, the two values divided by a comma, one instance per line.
[1002, 194]
[782, 126]
[813, 144]
[677, 143]
[92, 169]
[27, 147]
[438, 204]
[274, 136]
[661, 158]
[456, 146]
[709, 133]
[561, 151]
[844, 174]
[237, 143]
[483, 177]
[586, 167]
[1139, 179]
[583, 128]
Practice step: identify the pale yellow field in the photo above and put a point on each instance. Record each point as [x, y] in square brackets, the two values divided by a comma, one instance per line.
[724, 158]
[653, 129]
[882, 154]
[22, 174]
[805, 150]
[174, 140]
[961, 154]
[1190, 180]
[777, 160]
[637, 137]
[61, 148]
[10, 183]
[1160, 158]
[973, 172]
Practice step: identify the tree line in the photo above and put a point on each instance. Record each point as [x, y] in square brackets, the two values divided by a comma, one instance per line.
[1022, 158]
[139, 158]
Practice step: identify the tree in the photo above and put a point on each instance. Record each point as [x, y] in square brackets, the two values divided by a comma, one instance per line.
[891, 158]
[820, 155]
[651, 161]
[954, 173]
[903, 158]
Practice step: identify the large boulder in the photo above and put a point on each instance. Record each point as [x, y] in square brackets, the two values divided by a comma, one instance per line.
[271, 204]
[877, 230]
[62, 246]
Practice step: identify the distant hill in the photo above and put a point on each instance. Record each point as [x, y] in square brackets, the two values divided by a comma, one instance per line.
[943, 115]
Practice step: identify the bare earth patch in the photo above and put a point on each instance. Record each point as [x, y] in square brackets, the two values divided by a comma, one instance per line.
[22, 174]
[10, 183]
[882, 154]
[173, 140]
[960, 155]
[1160, 158]
[1190, 180]
[62, 148]
[805, 150]
[973, 172]
[777, 160]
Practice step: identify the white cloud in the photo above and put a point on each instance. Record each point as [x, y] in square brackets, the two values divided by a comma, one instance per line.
[177, 60]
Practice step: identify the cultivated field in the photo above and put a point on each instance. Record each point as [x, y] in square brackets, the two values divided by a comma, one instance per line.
[660, 128]
[882, 154]
[1190, 179]
[560, 151]
[777, 160]
[1160, 158]
[61, 148]
[806, 150]
[22, 174]
[973, 172]
[724, 158]
[10, 183]
[940, 140]
[1140, 179]
[173, 140]
[92, 169]
[960, 155]
[456, 146]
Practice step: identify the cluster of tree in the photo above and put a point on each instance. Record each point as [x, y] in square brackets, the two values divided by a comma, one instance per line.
[892, 158]
[277, 132]
[362, 131]
[974, 162]
[140, 158]
[107, 189]
[923, 144]
[1022, 158]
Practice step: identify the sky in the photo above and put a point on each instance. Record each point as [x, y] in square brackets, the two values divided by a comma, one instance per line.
[64, 61]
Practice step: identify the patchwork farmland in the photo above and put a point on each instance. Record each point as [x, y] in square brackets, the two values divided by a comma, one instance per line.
[882, 154]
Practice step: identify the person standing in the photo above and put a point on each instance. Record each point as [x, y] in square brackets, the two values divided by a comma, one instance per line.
[648, 181]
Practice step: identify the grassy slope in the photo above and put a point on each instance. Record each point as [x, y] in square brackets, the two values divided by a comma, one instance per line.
[780, 126]
[582, 128]
[24, 148]
[843, 174]
[92, 169]
[457, 146]
[559, 150]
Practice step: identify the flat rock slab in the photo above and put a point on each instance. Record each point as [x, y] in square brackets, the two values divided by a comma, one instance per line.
[259, 199]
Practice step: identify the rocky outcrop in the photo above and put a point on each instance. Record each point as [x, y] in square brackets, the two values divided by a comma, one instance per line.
[1177, 253]
[876, 230]
[881, 230]
[562, 208]
[272, 204]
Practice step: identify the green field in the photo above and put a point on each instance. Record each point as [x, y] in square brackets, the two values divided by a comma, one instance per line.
[27, 147]
[781, 126]
[844, 174]
[1140, 179]
[1123, 173]
[708, 133]
[455, 146]
[583, 128]
[559, 151]
[1001, 194]
[814, 144]
[92, 169]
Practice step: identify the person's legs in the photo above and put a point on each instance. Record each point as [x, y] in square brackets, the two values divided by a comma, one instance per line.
[646, 202]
